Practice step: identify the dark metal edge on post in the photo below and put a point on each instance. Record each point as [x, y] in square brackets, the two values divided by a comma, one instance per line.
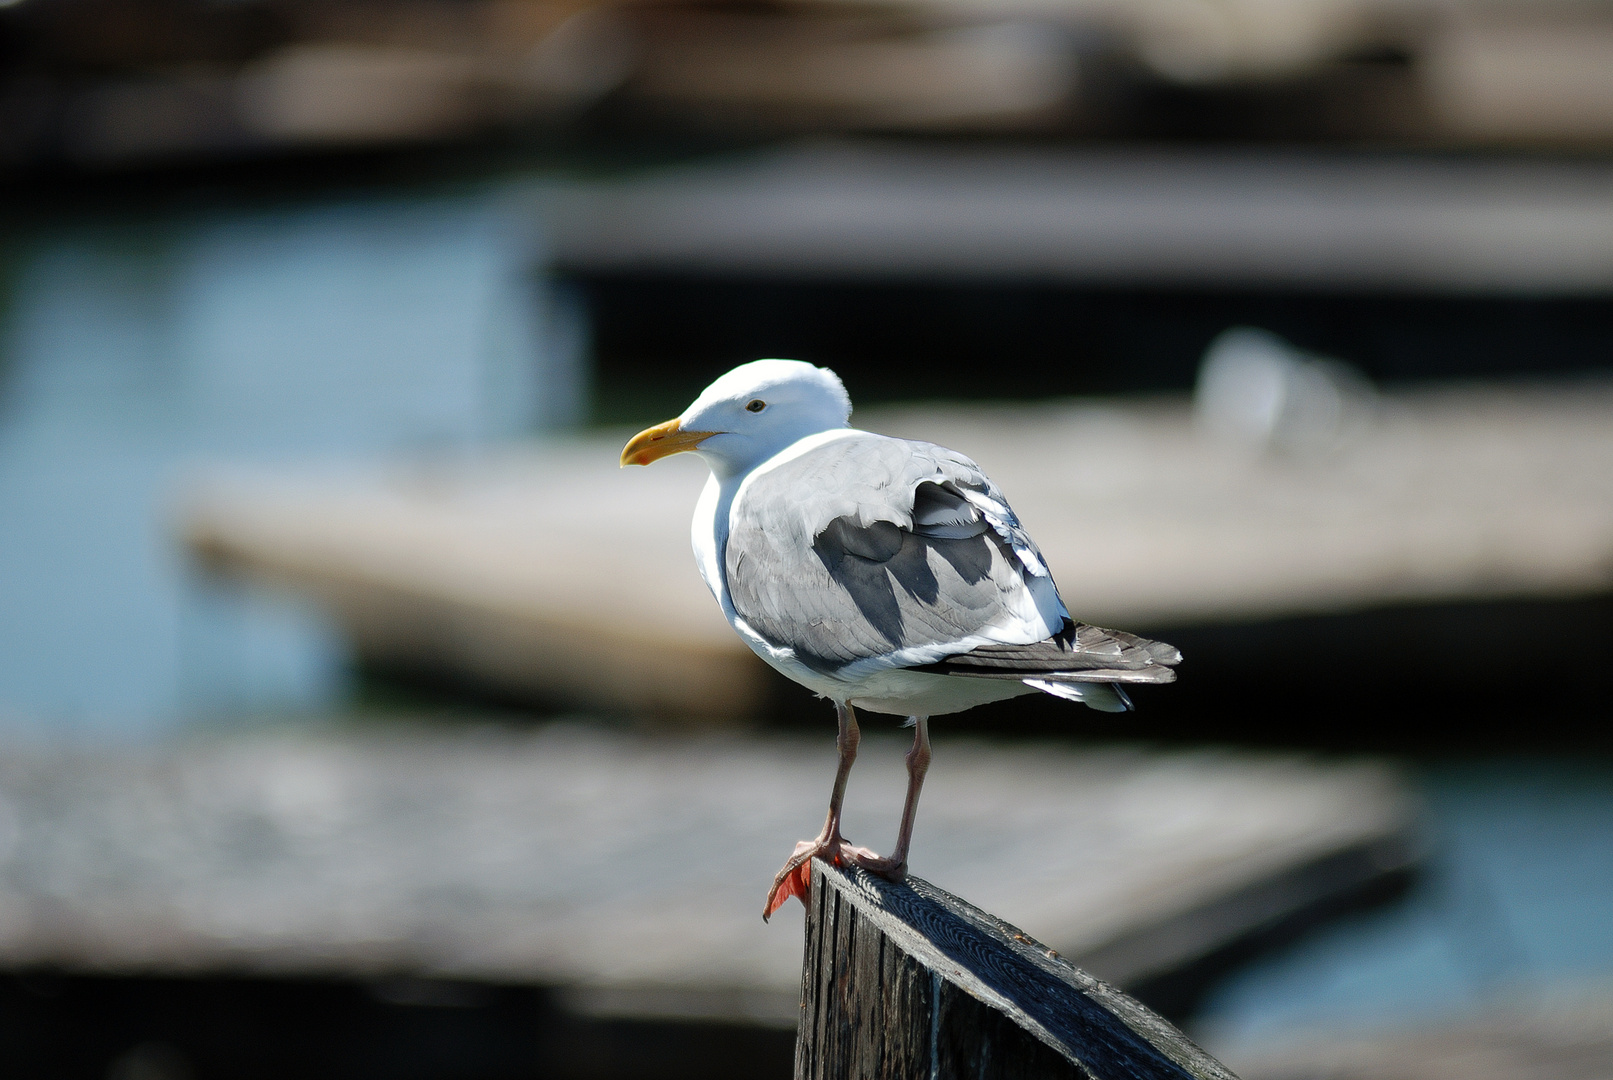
[908, 981]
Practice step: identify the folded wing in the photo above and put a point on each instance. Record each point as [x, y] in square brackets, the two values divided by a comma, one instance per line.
[874, 552]
[869, 552]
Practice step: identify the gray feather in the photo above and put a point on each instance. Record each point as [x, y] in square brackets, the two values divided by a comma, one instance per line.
[868, 545]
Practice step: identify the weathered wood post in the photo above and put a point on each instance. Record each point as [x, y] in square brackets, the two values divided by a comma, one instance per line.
[907, 981]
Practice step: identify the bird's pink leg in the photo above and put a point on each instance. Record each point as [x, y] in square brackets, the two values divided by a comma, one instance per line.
[796, 876]
[894, 865]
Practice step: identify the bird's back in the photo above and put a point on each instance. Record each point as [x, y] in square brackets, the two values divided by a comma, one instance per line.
[868, 552]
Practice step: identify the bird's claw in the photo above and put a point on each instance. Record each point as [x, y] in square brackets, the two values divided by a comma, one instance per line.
[891, 869]
[794, 880]
[796, 877]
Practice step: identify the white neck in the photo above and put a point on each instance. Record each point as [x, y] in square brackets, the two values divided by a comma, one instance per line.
[708, 533]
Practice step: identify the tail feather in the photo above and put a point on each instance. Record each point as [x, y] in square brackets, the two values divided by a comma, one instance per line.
[1082, 663]
[1079, 653]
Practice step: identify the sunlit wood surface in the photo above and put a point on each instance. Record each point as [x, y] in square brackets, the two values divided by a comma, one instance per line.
[909, 980]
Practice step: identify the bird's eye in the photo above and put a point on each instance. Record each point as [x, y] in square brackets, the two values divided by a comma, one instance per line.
[756, 405]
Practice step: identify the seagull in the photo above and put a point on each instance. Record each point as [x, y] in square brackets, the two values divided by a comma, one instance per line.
[884, 574]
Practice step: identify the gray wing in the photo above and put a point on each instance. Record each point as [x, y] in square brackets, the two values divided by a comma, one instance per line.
[870, 547]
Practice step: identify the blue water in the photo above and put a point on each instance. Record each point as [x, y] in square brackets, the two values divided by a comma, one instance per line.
[134, 352]
[1517, 902]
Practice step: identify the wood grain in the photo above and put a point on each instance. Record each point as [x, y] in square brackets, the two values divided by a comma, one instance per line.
[909, 981]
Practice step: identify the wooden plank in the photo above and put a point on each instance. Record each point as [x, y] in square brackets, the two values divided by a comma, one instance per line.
[908, 980]
[553, 574]
[628, 869]
[1094, 216]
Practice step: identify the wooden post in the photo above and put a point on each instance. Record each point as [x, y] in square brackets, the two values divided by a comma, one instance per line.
[907, 981]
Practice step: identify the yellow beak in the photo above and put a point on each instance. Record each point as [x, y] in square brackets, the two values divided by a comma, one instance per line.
[659, 441]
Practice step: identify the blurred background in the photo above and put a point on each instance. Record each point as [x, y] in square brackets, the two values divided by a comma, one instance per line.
[360, 718]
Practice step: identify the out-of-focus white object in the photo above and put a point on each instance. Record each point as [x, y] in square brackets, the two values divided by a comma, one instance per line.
[1257, 389]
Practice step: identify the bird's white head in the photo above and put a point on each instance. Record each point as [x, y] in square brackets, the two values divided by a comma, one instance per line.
[748, 415]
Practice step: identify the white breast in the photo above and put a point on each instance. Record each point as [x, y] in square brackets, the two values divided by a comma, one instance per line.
[707, 533]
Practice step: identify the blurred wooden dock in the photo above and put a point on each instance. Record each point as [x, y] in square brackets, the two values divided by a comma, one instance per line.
[550, 573]
[1563, 1039]
[869, 211]
[630, 870]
